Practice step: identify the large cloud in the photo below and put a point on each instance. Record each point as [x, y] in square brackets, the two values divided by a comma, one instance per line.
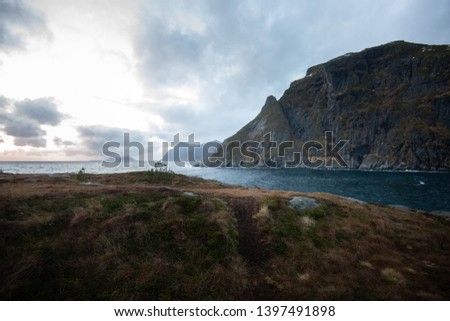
[19, 126]
[42, 110]
[94, 137]
[30, 141]
[25, 118]
[230, 55]
[17, 22]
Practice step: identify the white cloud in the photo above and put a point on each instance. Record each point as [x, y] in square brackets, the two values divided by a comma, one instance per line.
[167, 67]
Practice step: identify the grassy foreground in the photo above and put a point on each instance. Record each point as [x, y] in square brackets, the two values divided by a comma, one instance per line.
[153, 236]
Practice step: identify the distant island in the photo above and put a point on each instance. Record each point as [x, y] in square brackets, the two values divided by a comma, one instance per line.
[391, 103]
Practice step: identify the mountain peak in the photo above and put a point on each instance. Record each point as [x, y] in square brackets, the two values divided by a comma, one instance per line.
[269, 101]
[393, 49]
[390, 102]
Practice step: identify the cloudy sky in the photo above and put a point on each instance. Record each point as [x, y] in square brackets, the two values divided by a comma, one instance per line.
[75, 74]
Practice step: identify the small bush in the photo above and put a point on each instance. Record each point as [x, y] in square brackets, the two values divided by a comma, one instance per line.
[160, 175]
[81, 175]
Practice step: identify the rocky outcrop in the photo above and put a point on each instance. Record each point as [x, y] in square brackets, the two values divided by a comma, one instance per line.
[391, 102]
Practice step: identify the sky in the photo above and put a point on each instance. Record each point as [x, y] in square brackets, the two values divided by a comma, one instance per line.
[77, 74]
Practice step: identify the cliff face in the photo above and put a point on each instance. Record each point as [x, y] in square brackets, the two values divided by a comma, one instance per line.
[391, 102]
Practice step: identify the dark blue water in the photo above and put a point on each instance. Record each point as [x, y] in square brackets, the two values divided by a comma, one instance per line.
[417, 190]
[429, 191]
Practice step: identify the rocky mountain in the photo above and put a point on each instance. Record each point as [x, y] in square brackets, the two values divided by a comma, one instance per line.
[391, 102]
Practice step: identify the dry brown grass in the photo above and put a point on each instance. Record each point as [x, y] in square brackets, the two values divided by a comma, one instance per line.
[131, 240]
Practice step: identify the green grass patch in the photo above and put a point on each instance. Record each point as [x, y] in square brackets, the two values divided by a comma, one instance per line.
[188, 204]
[319, 212]
[160, 175]
[274, 203]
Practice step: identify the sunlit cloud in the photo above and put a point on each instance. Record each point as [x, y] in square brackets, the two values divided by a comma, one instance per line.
[164, 67]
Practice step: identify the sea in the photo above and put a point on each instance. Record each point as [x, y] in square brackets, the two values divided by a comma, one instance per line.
[427, 191]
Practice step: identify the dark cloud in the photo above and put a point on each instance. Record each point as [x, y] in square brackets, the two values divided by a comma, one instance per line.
[18, 126]
[17, 21]
[3, 102]
[177, 56]
[65, 143]
[42, 110]
[94, 137]
[239, 52]
[30, 141]
[24, 121]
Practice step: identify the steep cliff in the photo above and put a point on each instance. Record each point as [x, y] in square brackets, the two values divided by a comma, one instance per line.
[391, 102]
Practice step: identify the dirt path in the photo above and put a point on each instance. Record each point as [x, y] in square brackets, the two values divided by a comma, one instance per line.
[250, 239]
